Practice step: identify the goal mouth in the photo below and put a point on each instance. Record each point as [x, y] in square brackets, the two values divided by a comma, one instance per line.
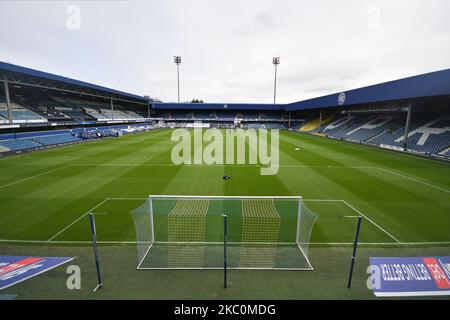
[187, 233]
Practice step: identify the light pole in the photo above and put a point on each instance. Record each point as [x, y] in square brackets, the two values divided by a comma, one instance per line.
[276, 62]
[177, 60]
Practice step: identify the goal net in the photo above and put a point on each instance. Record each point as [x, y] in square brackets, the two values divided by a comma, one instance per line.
[187, 232]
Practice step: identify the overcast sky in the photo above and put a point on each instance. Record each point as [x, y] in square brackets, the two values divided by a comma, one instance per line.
[227, 46]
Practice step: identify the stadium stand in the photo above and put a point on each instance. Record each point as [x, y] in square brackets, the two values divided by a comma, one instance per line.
[445, 153]
[314, 124]
[19, 113]
[33, 140]
[226, 116]
[19, 144]
[76, 115]
[427, 135]
[206, 116]
[56, 139]
[246, 116]
[182, 115]
[271, 126]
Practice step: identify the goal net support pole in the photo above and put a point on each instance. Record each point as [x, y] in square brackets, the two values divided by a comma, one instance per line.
[225, 240]
[94, 245]
[355, 246]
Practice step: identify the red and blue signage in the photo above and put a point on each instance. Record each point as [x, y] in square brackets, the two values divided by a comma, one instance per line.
[408, 277]
[15, 269]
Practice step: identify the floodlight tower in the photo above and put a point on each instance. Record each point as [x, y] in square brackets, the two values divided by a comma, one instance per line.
[177, 60]
[276, 62]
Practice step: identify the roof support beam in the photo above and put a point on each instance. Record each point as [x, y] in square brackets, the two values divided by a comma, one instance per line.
[112, 109]
[320, 120]
[408, 120]
[8, 101]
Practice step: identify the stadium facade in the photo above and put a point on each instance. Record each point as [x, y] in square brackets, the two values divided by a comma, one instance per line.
[40, 110]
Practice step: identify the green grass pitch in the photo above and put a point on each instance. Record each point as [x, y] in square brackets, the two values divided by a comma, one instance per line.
[45, 197]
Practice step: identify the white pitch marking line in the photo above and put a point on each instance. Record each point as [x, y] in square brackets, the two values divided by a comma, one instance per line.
[78, 219]
[371, 221]
[381, 243]
[281, 166]
[208, 165]
[320, 200]
[311, 243]
[64, 242]
[311, 200]
[33, 177]
[412, 179]
[121, 199]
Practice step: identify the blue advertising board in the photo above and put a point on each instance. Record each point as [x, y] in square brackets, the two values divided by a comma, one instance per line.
[407, 277]
[15, 269]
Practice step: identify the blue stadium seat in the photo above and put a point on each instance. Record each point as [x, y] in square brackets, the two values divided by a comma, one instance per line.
[426, 135]
[56, 139]
[19, 144]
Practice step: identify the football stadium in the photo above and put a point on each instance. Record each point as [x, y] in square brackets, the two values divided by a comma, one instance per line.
[106, 194]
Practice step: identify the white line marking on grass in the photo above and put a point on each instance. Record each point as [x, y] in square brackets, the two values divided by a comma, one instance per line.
[321, 200]
[51, 240]
[310, 200]
[412, 179]
[76, 220]
[33, 177]
[123, 199]
[381, 243]
[371, 221]
[64, 242]
[311, 243]
[281, 166]
[208, 165]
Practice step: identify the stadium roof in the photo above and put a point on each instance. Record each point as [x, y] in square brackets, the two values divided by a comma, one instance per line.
[421, 86]
[217, 106]
[81, 86]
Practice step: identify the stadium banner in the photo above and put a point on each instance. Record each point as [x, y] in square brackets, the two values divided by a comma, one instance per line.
[409, 277]
[15, 269]
[387, 146]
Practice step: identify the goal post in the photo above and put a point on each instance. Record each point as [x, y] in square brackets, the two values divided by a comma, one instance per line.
[187, 232]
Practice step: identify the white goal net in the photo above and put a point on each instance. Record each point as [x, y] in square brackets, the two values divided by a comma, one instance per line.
[187, 232]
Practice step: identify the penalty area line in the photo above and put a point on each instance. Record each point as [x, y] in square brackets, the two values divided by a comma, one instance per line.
[393, 244]
[33, 177]
[371, 221]
[51, 239]
[76, 220]
[414, 180]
